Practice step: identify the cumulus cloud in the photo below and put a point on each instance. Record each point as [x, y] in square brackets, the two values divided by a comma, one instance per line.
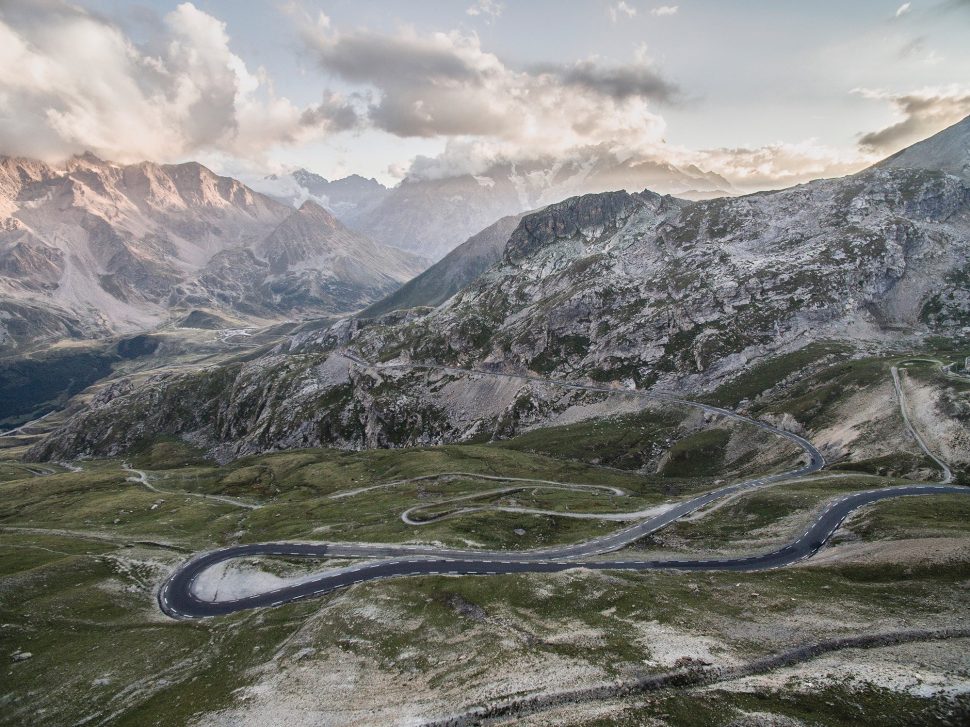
[585, 115]
[445, 85]
[921, 114]
[71, 81]
[621, 8]
[664, 10]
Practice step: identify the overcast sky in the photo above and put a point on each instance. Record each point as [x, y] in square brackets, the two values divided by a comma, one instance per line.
[767, 93]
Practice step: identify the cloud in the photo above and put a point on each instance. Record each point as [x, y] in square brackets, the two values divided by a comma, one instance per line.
[619, 82]
[665, 10]
[778, 164]
[948, 6]
[621, 7]
[490, 9]
[586, 115]
[334, 113]
[71, 81]
[922, 113]
[444, 85]
[903, 9]
[917, 50]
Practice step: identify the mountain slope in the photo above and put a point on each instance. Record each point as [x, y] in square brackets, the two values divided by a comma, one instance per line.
[948, 151]
[637, 289]
[96, 248]
[431, 217]
[652, 289]
[317, 263]
[452, 273]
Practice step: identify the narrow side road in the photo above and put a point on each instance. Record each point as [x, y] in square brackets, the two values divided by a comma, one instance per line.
[947, 475]
[142, 478]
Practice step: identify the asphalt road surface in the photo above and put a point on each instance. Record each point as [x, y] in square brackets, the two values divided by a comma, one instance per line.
[176, 597]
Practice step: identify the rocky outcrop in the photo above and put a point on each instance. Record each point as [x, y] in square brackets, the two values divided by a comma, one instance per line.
[590, 217]
[654, 289]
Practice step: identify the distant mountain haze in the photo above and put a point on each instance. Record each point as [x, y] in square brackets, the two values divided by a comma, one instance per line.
[453, 272]
[430, 216]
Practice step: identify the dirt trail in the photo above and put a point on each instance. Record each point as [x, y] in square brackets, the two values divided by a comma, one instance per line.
[142, 478]
[947, 476]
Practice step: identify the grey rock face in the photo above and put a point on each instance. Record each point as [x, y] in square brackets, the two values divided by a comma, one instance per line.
[947, 151]
[590, 216]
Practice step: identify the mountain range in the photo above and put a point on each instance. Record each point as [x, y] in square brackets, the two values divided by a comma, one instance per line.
[92, 248]
[95, 248]
[634, 289]
[430, 215]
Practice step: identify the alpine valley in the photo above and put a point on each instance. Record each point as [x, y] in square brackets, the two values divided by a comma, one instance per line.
[552, 443]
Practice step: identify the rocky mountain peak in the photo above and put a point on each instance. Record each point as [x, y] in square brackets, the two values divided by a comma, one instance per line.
[200, 186]
[308, 178]
[87, 162]
[589, 216]
[94, 247]
[317, 212]
[312, 235]
[15, 174]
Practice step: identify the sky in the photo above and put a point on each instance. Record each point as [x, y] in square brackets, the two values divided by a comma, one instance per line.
[765, 93]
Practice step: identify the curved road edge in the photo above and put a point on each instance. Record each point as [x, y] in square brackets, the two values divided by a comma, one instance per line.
[177, 600]
[176, 597]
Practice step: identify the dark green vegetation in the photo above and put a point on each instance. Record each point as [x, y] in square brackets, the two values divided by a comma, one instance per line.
[657, 437]
[941, 517]
[82, 605]
[702, 453]
[889, 465]
[764, 376]
[82, 608]
[627, 441]
[767, 518]
[204, 319]
[34, 384]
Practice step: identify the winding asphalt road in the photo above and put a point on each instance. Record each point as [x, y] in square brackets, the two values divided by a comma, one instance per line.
[177, 599]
